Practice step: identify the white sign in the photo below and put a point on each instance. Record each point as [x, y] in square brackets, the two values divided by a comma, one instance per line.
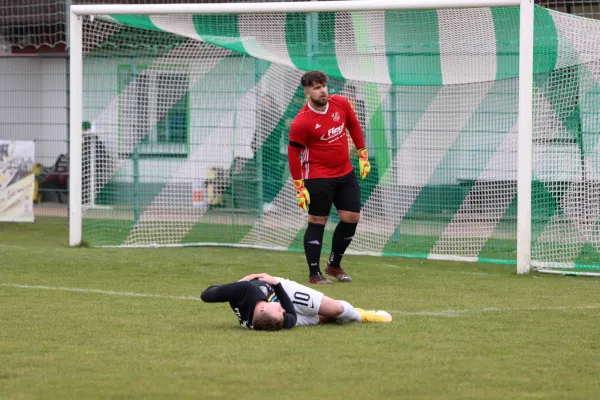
[16, 180]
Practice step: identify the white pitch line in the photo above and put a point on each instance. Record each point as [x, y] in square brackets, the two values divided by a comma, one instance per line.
[441, 270]
[96, 291]
[461, 313]
[441, 313]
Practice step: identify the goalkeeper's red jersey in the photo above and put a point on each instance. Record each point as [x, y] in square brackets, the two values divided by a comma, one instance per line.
[320, 138]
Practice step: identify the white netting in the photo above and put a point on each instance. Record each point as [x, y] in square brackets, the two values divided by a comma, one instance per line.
[194, 136]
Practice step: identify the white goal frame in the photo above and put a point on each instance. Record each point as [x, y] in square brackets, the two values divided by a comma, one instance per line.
[525, 147]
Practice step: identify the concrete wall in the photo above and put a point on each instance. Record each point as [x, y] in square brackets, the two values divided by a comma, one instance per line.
[33, 103]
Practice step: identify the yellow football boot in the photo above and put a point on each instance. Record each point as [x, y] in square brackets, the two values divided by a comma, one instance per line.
[374, 315]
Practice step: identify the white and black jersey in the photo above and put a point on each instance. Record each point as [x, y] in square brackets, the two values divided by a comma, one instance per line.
[243, 296]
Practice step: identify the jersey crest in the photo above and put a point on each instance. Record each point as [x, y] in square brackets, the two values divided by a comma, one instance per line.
[335, 116]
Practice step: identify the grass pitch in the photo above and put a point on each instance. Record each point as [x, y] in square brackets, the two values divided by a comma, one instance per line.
[124, 323]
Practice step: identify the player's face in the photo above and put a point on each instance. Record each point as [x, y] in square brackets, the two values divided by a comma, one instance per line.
[317, 93]
[275, 310]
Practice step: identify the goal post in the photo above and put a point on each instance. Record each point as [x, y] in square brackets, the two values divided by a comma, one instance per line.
[75, 124]
[453, 238]
[525, 149]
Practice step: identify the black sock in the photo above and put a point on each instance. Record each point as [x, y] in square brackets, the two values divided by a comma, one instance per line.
[313, 242]
[342, 236]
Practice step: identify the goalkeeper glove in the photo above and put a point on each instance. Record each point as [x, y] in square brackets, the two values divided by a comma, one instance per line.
[302, 195]
[363, 163]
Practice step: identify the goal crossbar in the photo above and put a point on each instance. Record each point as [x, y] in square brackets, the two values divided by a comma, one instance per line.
[288, 7]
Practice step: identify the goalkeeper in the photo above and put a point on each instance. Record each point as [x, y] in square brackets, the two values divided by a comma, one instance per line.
[263, 302]
[322, 173]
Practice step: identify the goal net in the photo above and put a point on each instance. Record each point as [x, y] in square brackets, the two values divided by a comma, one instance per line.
[190, 114]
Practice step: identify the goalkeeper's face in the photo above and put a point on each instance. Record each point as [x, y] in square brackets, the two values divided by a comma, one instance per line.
[317, 93]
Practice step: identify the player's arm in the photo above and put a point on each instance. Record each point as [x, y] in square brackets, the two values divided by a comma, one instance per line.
[290, 317]
[296, 145]
[233, 292]
[356, 133]
[353, 125]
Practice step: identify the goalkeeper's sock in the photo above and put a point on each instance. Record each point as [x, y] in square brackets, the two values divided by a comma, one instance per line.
[349, 313]
[342, 236]
[313, 242]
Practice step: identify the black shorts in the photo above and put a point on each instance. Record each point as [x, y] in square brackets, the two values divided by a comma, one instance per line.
[343, 192]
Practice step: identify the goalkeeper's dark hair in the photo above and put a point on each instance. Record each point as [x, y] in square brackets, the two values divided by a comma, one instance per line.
[266, 322]
[312, 77]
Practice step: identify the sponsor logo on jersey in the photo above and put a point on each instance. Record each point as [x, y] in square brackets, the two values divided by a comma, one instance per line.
[334, 133]
[336, 116]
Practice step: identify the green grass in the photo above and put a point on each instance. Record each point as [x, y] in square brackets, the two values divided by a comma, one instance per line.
[460, 331]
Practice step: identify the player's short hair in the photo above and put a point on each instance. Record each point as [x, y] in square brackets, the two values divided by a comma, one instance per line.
[312, 77]
[266, 322]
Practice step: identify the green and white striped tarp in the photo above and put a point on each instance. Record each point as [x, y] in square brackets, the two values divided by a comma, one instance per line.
[432, 47]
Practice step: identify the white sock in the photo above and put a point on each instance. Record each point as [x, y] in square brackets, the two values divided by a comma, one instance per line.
[349, 313]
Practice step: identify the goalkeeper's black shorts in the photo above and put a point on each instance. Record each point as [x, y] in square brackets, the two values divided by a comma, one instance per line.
[343, 192]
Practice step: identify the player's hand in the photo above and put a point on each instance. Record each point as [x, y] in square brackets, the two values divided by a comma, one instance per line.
[249, 277]
[363, 163]
[302, 195]
[271, 280]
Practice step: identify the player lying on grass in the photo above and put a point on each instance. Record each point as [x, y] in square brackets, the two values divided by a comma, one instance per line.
[266, 303]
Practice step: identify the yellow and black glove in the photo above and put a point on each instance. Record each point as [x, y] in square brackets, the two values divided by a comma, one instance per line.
[363, 163]
[302, 195]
